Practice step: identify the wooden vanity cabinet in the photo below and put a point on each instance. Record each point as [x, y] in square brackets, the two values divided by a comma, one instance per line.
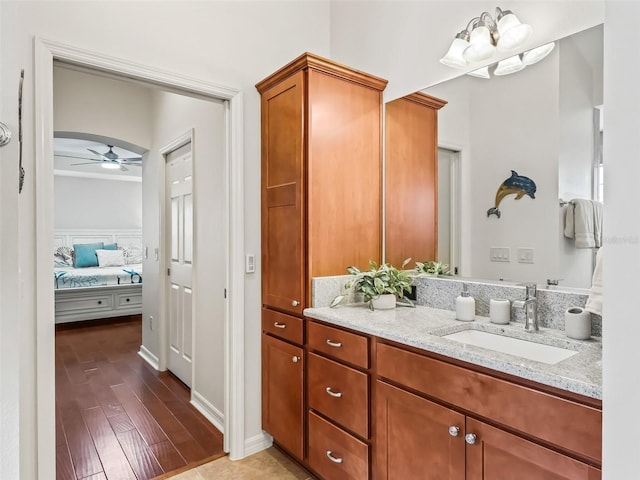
[338, 393]
[321, 134]
[533, 435]
[411, 178]
[321, 176]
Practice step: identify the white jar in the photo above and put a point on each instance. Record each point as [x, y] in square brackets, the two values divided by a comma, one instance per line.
[500, 311]
[577, 323]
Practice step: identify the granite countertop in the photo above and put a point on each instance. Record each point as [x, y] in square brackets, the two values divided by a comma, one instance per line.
[422, 327]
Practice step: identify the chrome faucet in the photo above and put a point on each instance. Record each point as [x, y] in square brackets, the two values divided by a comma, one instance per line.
[530, 305]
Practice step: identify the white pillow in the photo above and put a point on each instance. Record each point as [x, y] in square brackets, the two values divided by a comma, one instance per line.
[110, 258]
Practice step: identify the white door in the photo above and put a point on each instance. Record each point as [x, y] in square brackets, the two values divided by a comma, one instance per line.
[179, 175]
[448, 208]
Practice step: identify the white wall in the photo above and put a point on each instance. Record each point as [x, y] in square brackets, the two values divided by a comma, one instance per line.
[86, 103]
[94, 203]
[230, 43]
[621, 261]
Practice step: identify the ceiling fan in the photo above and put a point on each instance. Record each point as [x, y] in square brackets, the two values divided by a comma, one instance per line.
[109, 159]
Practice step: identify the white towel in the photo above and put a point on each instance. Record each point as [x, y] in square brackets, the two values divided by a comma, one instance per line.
[594, 302]
[583, 222]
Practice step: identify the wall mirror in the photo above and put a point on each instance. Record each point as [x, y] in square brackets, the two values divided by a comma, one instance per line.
[540, 122]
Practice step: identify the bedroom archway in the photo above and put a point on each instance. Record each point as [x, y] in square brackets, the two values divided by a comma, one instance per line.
[46, 53]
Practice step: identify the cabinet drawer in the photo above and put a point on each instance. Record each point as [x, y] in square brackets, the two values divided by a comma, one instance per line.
[569, 425]
[85, 303]
[347, 346]
[282, 325]
[124, 300]
[335, 454]
[339, 392]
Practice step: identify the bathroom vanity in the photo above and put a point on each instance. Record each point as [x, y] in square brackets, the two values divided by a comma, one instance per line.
[432, 407]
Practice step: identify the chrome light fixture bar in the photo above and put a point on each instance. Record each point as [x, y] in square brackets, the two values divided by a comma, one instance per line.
[483, 36]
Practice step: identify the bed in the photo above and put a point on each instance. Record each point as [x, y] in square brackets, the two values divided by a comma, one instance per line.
[97, 291]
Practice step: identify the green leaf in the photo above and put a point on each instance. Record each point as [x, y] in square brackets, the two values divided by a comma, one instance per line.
[336, 301]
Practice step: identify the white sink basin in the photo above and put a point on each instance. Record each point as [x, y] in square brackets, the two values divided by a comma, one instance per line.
[513, 346]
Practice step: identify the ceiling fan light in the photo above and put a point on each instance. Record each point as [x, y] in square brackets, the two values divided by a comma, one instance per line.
[110, 166]
[481, 72]
[536, 54]
[509, 65]
[512, 33]
[454, 57]
[480, 47]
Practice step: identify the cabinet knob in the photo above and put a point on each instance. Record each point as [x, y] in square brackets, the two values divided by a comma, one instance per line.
[331, 457]
[332, 393]
[99, 302]
[454, 431]
[333, 344]
[128, 299]
[295, 359]
[295, 303]
[279, 325]
[470, 438]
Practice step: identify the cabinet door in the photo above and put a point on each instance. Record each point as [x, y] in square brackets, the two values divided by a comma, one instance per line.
[412, 439]
[283, 275]
[282, 386]
[498, 455]
[411, 178]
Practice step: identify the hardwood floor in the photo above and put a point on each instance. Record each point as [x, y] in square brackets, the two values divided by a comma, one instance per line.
[116, 417]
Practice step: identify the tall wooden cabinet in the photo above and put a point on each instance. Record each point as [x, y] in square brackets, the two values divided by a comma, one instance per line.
[321, 205]
[411, 178]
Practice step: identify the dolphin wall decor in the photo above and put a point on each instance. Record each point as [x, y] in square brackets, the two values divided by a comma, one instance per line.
[515, 184]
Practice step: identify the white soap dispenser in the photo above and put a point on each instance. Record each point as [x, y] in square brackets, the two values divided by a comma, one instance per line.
[465, 306]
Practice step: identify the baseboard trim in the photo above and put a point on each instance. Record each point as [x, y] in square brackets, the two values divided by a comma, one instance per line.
[211, 413]
[256, 444]
[149, 357]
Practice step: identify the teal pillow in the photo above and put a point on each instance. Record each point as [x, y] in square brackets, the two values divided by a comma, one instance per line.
[110, 246]
[85, 254]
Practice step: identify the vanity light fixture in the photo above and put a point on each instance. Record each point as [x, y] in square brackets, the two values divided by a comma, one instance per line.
[509, 65]
[483, 36]
[481, 72]
[536, 54]
[515, 63]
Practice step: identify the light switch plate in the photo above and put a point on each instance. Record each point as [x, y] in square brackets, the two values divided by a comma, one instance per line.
[500, 254]
[249, 263]
[525, 255]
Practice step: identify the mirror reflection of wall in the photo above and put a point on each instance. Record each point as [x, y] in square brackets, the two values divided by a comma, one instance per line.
[538, 122]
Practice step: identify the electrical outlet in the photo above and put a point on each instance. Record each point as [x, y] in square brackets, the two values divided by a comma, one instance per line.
[525, 255]
[150, 322]
[500, 254]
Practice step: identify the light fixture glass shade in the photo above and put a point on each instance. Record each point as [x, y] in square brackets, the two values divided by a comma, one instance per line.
[512, 33]
[454, 57]
[110, 165]
[536, 54]
[480, 47]
[509, 65]
[481, 72]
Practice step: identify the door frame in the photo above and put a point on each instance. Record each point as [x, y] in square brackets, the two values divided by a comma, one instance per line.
[45, 52]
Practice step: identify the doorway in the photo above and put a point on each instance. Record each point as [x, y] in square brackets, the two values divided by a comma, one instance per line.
[46, 53]
[449, 208]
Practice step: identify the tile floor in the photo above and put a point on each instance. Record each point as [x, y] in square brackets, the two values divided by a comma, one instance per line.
[270, 464]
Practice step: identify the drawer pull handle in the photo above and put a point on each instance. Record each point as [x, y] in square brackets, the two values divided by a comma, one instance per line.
[332, 458]
[454, 431]
[99, 302]
[334, 344]
[295, 303]
[279, 325]
[295, 359]
[128, 299]
[332, 393]
[470, 438]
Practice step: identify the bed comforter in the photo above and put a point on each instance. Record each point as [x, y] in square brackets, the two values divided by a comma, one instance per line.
[69, 277]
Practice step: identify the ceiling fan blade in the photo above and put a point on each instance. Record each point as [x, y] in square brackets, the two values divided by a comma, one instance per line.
[79, 157]
[87, 163]
[130, 159]
[97, 153]
[123, 168]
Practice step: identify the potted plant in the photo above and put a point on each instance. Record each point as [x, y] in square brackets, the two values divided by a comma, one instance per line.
[432, 268]
[381, 286]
